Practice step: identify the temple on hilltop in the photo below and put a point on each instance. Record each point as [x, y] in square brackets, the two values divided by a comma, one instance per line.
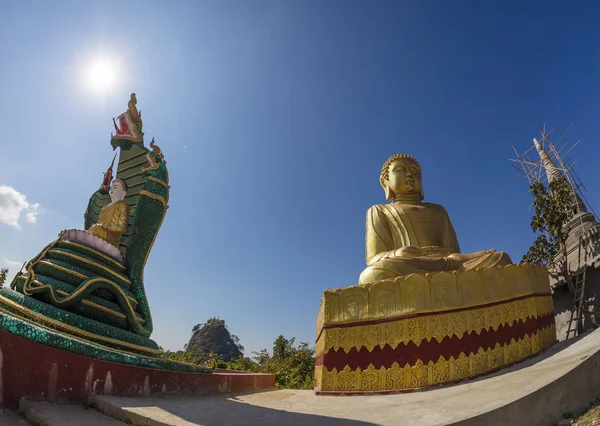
[583, 253]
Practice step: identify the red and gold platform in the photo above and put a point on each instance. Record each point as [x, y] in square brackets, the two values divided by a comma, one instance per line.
[419, 331]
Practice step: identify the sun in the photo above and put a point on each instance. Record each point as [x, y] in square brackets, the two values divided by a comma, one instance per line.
[101, 75]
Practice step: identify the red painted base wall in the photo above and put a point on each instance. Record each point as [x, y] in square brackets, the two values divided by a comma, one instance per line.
[35, 371]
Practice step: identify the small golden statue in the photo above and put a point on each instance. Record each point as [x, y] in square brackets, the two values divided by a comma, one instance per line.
[408, 236]
[113, 218]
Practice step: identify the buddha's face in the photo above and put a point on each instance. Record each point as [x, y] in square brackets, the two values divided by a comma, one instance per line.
[117, 192]
[404, 178]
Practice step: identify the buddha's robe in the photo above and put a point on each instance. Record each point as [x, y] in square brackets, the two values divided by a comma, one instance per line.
[112, 222]
[403, 239]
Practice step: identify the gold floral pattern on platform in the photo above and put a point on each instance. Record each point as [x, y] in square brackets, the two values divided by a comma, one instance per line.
[442, 371]
[420, 330]
[432, 326]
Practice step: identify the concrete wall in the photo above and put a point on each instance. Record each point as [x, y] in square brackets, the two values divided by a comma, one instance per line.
[563, 303]
[572, 392]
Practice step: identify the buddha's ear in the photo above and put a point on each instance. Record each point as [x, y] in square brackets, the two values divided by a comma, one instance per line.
[422, 195]
[388, 192]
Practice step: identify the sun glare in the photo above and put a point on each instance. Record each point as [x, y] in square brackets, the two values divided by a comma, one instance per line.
[102, 75]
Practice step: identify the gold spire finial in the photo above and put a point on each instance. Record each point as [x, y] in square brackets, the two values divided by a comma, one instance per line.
[136, 115]
[156, 151]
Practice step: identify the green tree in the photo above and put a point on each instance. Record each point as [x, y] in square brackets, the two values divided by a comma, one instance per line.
[292, 366]
[553, 210]
[302, 365]
[190, 356]
[282, 347]
[242, 364]
[3, 274]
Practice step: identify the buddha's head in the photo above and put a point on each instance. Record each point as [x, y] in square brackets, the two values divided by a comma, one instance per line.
[118, 190]
[401, 176]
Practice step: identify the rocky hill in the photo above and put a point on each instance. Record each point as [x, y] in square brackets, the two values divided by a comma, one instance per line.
[214, 337]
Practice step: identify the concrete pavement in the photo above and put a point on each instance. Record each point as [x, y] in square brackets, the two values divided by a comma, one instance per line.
[48, 414]
[12, 418]
[537, 391]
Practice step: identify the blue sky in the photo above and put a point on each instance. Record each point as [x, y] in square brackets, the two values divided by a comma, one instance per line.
[275, 118]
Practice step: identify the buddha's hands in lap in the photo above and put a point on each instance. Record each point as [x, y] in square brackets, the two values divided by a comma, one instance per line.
[428, 251]
[104, 228]
[98, 230]
[465, 257]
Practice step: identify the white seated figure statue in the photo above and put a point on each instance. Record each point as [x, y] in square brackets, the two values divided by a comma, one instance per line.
[112, 223]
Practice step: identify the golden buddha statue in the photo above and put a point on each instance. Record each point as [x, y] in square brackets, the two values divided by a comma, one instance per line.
[408, 236]
[113, 218]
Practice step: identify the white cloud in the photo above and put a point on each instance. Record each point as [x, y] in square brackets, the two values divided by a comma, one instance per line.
[12, 264]
[13, 204]
[31, 215]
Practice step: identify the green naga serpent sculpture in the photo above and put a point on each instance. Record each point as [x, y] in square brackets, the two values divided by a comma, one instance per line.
[89, 285]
